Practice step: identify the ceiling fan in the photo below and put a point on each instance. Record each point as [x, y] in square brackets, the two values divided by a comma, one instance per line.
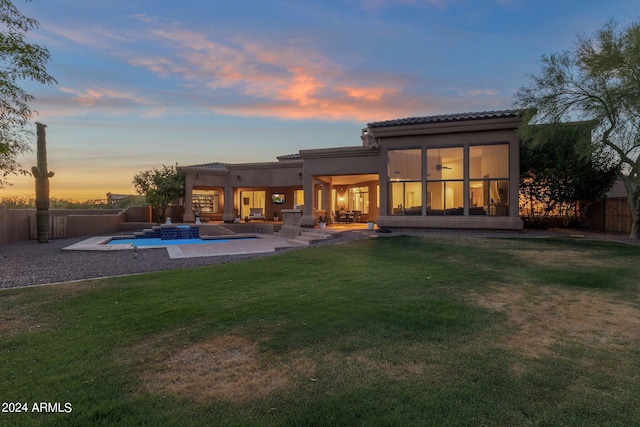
[440, 166]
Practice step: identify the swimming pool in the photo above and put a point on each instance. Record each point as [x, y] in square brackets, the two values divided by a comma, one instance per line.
[164, 242]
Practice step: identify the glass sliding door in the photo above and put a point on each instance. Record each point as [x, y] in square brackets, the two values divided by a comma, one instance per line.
[251, 199]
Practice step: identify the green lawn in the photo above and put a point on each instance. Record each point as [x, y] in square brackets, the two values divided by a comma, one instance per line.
[388, 331]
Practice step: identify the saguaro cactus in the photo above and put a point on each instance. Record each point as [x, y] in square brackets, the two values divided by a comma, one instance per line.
[42, 175]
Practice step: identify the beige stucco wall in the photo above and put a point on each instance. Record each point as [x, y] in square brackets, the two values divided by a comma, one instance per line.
[454, 222]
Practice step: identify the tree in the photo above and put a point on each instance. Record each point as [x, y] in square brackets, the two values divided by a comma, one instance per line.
[19, 60]
[160, 187]
[597, 79]
[555, 180]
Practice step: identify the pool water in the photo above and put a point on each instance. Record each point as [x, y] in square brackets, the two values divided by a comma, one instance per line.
[161, 242]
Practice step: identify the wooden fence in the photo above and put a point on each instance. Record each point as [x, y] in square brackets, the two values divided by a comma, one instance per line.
[616, 216]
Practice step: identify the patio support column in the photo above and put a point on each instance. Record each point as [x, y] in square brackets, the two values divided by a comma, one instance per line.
[465, 176]
[383, 180]
[188, 201]
[228, 215]
[326, 199]
[514, 178]
[308, 219]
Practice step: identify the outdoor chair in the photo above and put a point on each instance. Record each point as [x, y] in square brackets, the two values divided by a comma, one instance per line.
[256, 213]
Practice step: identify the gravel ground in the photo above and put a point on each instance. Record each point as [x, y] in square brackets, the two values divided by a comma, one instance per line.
[30, 263]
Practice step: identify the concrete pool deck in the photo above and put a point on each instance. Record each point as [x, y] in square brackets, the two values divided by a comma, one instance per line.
[263, 243]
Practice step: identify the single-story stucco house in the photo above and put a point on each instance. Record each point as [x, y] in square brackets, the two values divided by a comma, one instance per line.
[444, 171]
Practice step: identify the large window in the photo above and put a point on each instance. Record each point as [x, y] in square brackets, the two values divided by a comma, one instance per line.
[206, 201]
[405, 165]
[359, 199]
[489, 180]
[471, 180]
[405, 198]
[404, 169]
[445, 181]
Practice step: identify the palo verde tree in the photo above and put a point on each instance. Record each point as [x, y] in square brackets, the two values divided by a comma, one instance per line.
[160, 187]
[597, 79]
[19, 61]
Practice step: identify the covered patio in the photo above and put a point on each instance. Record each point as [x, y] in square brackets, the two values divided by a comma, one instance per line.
[345, 183]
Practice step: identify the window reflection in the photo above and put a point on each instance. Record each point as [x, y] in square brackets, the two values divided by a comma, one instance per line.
[489, 184]
[404, 165]
[489, 197]
[489, 161]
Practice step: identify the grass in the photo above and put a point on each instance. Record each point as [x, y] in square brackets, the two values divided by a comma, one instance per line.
[388, 331]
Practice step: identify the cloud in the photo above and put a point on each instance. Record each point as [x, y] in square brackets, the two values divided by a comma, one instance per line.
[371, 94]
[281, 81]
[94, 37]
[483, 92]
[93, 100]
[143, 17]
[377, 4]
[204, 72]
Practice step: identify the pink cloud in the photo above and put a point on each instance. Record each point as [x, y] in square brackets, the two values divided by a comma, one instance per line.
[240, 76]
[372, 94]
[80, 101]
[274, 81]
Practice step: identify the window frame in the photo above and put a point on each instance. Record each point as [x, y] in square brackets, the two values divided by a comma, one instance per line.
[466, 209]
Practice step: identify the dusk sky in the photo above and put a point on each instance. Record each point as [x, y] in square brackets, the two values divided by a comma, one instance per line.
[143, 83]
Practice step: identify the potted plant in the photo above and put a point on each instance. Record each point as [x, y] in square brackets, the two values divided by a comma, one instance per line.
[276, 216]
[322, 222]
[370, 224]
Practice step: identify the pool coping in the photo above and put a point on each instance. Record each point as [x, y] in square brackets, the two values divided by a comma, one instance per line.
[235, 246]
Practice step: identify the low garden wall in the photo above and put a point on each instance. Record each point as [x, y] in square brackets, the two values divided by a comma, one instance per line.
[14, 224]
[20, 224]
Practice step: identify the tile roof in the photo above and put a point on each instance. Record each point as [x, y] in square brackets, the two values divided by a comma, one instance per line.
[295, 156]
[215, 166]
[458, 117]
